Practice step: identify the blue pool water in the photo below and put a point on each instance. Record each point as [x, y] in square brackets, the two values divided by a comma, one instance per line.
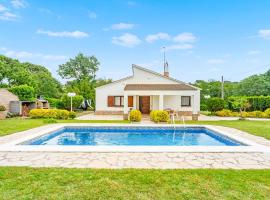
[134, 136]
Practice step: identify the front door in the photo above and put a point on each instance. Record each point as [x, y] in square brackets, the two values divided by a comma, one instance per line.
[144, 104]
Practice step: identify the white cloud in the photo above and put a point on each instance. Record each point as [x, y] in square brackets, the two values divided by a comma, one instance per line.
[72, 34]
[254, 52]
[126, 40]
[8, 16]
[158, 36]
[92, 15]
[25, 55]
[18, 54]
[264, 33]
[2, 8]
[215, 61]
[185, 37]
[179, 47]
[18, 4]
[122, 26]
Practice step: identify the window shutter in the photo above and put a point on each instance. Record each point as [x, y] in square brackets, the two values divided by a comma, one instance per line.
[110, 101]
[130, 101]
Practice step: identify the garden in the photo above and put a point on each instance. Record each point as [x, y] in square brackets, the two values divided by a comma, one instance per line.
[238, 106]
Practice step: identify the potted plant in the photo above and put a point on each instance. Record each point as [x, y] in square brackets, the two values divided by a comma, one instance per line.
[2, 112]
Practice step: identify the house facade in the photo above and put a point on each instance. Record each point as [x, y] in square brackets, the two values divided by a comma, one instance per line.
[147, 90]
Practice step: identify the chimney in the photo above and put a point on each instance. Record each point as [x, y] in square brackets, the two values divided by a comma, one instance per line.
[166, 69]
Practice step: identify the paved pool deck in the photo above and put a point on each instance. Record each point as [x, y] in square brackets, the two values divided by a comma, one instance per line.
[254, 159]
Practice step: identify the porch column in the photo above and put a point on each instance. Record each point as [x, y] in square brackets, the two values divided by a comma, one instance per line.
[125, 116]
[160, 105]
[195, 113]
[134, 102]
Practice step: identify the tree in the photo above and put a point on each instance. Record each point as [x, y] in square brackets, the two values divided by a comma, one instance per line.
[80, 68]
[241, 104]
[24, 92]
[15, 73]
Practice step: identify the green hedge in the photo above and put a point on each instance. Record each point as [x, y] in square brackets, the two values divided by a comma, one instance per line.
[215, 104]
[260, 103]
[55, 103]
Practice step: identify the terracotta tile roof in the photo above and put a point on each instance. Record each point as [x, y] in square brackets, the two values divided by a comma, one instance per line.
[158, 87]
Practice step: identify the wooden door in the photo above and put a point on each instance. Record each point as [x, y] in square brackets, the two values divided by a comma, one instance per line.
[144, 104]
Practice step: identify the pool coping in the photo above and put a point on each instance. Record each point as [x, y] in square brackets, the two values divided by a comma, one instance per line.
[13, 146]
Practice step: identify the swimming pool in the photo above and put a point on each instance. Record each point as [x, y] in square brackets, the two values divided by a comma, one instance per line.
[134, 136]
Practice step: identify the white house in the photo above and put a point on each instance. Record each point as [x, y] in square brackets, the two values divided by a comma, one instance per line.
[147, 90]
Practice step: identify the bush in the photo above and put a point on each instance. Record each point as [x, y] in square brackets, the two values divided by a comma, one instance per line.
[2, 108]
[159, 116]
[256, 102]
[49, 113]
[76, 101]
[72, 115]
[135, 116]
[24, 92]
[11, 115]
[267, 113]
[224, 113]
[203, 107]
[215, 104]
[55, 103]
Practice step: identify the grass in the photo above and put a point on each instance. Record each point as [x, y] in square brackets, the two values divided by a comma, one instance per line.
[57, 183]
[13, 125]
[259, 128]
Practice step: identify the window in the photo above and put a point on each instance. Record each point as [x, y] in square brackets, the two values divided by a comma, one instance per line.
[185, 101]
[115, 101]
[118, 101]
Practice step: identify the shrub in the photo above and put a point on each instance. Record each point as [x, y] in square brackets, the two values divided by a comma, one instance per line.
[203, 107]
[159, 116]
[256, 102]
[267, 113]
[55, 103]
[72, 115]
[135, 116]
[2, 108]
[224, 113]
[11, 115]
[49, 113]
[76, 101]
[256, 114]
[215, 104]
[24, 92]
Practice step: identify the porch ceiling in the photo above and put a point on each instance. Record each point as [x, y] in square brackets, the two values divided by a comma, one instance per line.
[156, 87]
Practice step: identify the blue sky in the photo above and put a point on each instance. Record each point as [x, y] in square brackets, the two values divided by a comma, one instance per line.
[204, 38]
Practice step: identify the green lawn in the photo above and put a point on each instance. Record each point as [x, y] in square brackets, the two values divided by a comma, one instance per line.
[9, 126]
[259, 128]
[57, 183]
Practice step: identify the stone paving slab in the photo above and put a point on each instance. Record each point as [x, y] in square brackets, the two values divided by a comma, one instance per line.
[137, 160]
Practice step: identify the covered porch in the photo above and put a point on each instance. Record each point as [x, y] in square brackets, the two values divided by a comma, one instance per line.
[184, 102]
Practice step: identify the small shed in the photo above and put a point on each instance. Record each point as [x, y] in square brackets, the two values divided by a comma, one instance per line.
[15, 106]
